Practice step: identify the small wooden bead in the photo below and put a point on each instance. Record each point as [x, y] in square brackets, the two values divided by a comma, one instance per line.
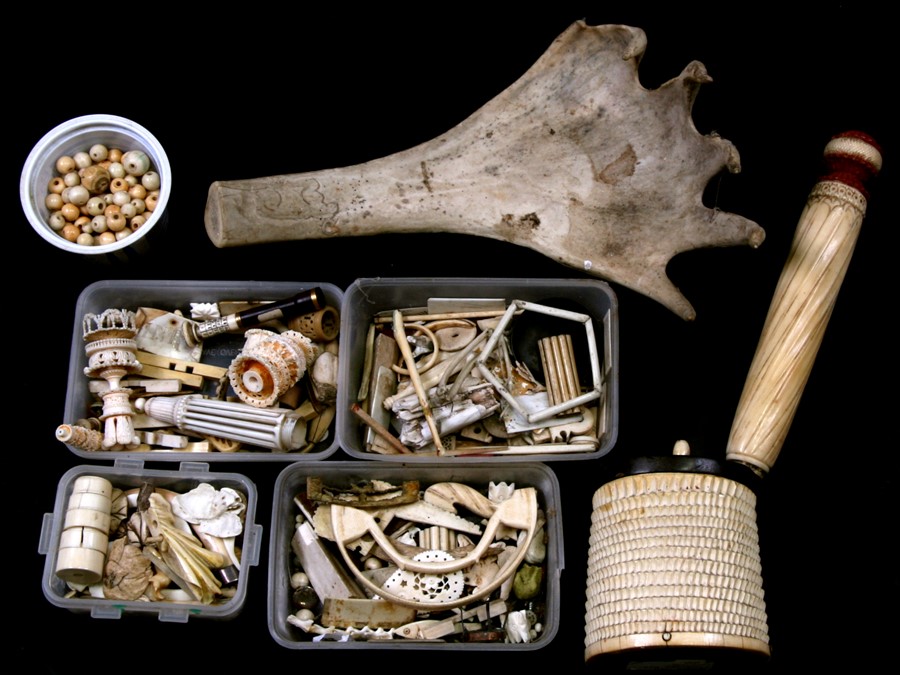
[139, 205]
[56, 184]
[150, 180]
[85, 239]
[122, 234]
[131, 180]
[70, 212]
[151, 200]
[98, 152]
[54, 201]
[127, 209]
[82, 160]
[138, 191]
[115, 155]
[70, 232]
[118, 185]
[110, 209]
[65, 164]
[116, 221]
[83, 223]
[136, 162]
[138, 222]
[106, 238]
[72, 178]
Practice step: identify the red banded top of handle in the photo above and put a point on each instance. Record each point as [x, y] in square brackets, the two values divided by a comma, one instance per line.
[852, 158]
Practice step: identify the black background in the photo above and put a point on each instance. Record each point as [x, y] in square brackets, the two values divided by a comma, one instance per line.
[246, 93]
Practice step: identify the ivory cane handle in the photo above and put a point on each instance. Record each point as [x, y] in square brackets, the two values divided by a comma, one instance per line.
[803, 301]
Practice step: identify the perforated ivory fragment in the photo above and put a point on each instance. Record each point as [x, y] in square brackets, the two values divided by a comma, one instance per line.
[673, 560]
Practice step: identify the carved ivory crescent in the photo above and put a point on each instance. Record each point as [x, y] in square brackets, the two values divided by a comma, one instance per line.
[575, 160]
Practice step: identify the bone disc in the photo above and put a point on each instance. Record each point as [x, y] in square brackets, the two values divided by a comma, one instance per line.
[84, 537]
[80, 565]
[89, 500]
[99, 520]
[94, 484]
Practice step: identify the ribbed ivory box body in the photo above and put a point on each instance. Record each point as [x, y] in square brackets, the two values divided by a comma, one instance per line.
[673, 561]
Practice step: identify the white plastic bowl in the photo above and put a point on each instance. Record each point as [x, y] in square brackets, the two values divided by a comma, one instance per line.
[77, 135]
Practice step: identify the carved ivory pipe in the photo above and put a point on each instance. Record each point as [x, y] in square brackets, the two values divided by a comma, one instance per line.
[803, 301]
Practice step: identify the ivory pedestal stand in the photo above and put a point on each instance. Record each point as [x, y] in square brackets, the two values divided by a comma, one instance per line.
[673, 560]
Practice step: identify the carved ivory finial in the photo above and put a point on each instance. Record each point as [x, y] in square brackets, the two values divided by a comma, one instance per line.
[112, 354]
[575, 160]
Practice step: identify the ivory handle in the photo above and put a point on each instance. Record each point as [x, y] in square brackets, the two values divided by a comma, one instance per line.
[803, 301]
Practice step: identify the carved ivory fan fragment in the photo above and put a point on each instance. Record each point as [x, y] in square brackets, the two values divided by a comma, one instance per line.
[674, 558]
[575, 160]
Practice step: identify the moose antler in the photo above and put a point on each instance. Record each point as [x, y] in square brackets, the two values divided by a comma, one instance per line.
[575, 160]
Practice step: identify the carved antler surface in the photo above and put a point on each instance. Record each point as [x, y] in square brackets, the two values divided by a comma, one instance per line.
[575, 160]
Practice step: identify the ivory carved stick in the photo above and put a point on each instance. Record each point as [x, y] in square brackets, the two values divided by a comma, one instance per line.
[803, 301]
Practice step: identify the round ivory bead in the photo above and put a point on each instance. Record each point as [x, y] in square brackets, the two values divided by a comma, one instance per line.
[85, 239]
[65, 164]
[96, 206]
[116, 170]
[150, 180]
[82, 160]
[98, 152]
[136, 162]
[54, 201]
[78, 195]
[98, 224]
[106, 238]
[57, 221]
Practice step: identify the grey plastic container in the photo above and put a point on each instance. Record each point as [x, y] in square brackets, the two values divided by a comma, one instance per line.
[292, 480]
[367, 297]
[170, 295]
[127, 474]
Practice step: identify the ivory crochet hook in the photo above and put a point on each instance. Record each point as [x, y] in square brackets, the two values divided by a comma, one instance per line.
[803, 301]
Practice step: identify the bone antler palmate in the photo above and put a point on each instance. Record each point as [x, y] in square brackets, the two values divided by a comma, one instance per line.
[575, 160]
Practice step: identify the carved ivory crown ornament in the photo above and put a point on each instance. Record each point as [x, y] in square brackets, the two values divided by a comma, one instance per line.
[673, 559]
[575, 160]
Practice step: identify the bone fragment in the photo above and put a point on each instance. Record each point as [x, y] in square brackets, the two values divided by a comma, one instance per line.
[575, 160]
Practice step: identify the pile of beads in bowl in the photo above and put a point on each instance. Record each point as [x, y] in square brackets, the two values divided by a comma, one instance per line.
[102, 195]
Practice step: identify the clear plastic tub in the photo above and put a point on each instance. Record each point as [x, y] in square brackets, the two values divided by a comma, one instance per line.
[595, 348]
[294, 480]
[218, 352]
[128, 475]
